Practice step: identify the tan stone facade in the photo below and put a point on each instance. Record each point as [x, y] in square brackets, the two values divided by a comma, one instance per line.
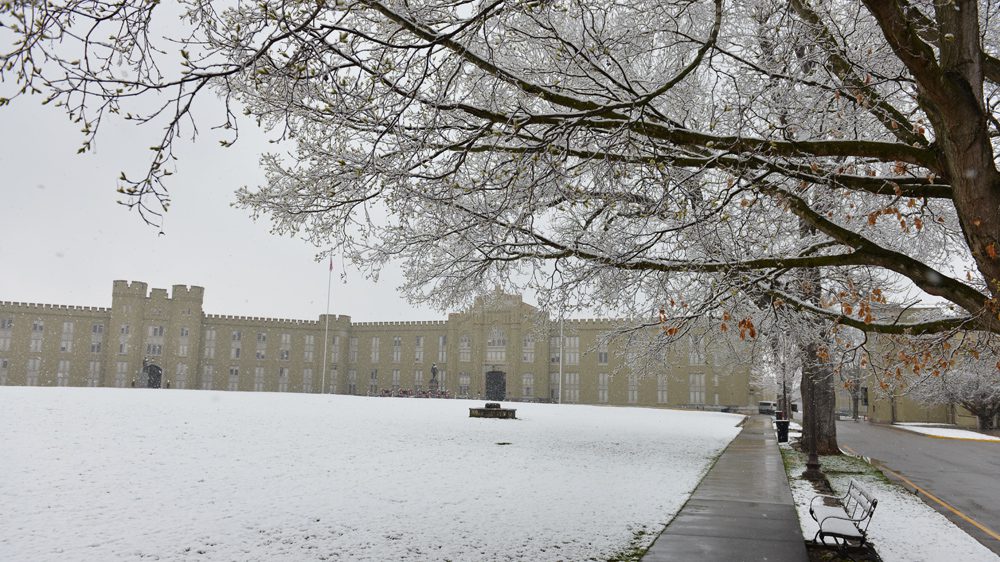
[150, 338]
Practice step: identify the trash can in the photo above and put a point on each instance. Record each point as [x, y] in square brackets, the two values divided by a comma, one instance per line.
[782, 426]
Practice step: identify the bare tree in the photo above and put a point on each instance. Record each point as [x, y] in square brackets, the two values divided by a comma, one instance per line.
[693, 156]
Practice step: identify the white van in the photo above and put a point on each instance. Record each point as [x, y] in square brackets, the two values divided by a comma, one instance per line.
[768, 408]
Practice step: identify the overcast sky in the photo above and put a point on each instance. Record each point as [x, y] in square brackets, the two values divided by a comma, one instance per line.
[65, 238]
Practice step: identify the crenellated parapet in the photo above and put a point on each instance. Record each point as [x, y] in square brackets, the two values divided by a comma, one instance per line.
[403, 323]
[277, 321]
[129, 288]
[185, 292]
[26, 306]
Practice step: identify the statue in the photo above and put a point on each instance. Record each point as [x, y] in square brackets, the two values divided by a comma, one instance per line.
[433, 385]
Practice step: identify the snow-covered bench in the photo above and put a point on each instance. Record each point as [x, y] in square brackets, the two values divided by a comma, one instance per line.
[846, 522]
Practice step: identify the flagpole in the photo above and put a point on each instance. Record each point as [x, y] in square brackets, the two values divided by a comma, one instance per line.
[326, 333]
[561, 353]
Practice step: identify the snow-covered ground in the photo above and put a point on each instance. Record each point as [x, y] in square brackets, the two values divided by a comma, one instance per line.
[123, 474]
[948, 432]
[902, 529]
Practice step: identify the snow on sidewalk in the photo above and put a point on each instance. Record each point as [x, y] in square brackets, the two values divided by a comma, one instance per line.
[103, 474]
[947, 432]
[903, 527]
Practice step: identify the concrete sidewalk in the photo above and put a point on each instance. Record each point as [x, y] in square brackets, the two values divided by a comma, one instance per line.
[741, 511]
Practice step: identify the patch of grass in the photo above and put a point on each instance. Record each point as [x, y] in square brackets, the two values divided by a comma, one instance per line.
[635, 550]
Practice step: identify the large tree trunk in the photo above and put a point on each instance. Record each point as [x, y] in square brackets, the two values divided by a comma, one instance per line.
[819, 403]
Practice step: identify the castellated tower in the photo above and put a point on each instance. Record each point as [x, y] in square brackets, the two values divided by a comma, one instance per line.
[153, 337]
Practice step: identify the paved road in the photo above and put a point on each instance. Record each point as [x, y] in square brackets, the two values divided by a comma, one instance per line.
[964, 474]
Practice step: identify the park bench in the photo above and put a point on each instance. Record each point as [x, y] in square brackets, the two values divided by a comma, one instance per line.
[845, 522]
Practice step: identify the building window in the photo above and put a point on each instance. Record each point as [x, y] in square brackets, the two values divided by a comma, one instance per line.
[66, 342]
[37, 332]
[4, 369]
[442, 377]
[528, 349]
[571, 388]
[572, 349]
[209, 343]
[34, 366]
[375, 344]
[602, 353]
[309, 348]
[603, 381]
[395, 381]
[258, 379]
[373, 383]
[397, 349]
[418, 380]
[442, 349]
[94, 373]
[261, 346]
[554, 350]
[155, 331]
[496, 346]
[154, 349]
[307, 380]
[123, 348]
[696, 350]
[352, 382]
[182, 350]
[335, 350]
[352, 350]
[418, 349]
[283, 379]
[285, 348]
[554, 387]
[124, 330]
[181, 378]
[234, 378]
[527, 385]
[234, 352]
[207, 374]
[465, 348]
[121, 374]
[96, 337]
[237, 335]
[696, 388]
[661, 388]
[62, 373]
[464, 381]
[633, 389]
[6, 332]
[184, 332]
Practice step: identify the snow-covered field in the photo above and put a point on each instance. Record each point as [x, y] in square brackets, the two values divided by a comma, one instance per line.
[902, 529]
[123, 474]
[948, 432]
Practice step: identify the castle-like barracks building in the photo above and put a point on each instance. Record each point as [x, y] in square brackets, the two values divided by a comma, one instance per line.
[502, 350]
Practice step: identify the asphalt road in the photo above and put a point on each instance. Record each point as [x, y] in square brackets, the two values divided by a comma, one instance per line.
[964, 474]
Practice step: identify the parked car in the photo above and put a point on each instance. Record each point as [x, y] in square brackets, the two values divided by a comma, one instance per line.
[766, 407]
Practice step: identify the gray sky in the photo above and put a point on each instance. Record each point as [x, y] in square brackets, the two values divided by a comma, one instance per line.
[65, 238]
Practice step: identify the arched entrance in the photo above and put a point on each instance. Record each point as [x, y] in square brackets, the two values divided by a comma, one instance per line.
[153, 375]
[496, 385]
